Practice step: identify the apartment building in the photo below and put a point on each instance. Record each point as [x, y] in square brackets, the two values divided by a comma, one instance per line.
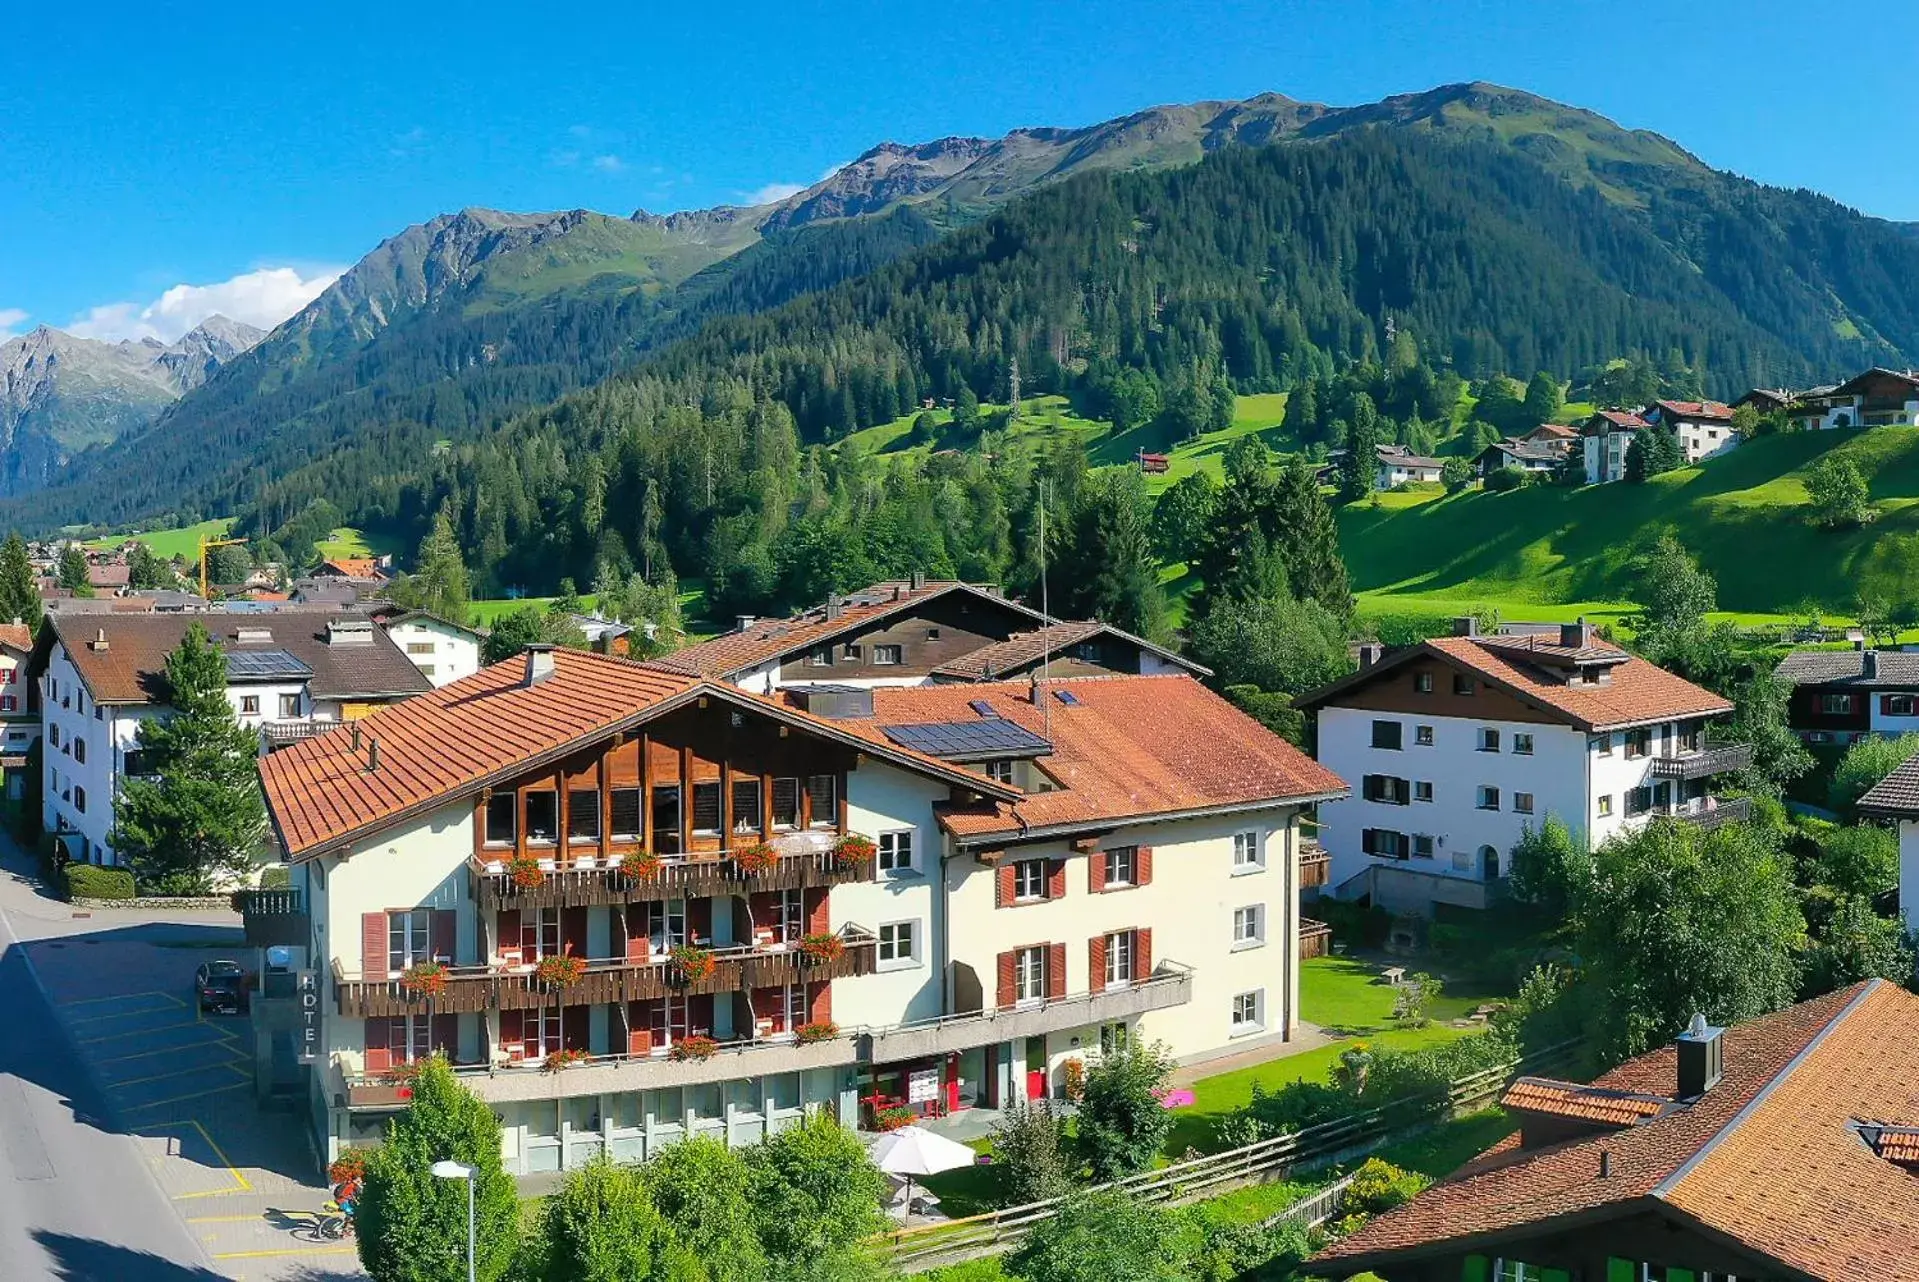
[98, 677]
[1460, 743]
[443, 651]
[1604, 440]
[19, 715]
[1784, 1147]
[632, 904]
[1703, 428]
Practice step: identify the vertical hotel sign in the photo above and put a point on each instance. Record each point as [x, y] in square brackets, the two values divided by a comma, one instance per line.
[306, 992]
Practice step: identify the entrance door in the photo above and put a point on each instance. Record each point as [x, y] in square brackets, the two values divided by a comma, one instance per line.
[1489, 863]
[1035, 1068]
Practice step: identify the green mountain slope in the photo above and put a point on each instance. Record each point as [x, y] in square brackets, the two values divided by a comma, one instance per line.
[1745, 515]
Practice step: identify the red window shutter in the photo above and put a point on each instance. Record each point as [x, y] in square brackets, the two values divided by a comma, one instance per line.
[1056, 970]
[1008, 984]
[373, 944]
[446, 1035]
[820, 1009]
[1003, 879]
[379, 1056]
[508, 923]
[1056, 879]
[639, 945]
[1143, 866]
[639, 1029]
[1096, 964]
[573, 930]
[699, 1015]
[1142, 952]
[699, 919]
[1096, 872]
[819, 917]
[445, 936]
[512, 1026]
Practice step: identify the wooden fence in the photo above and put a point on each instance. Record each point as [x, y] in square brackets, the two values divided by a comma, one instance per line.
[931, 1246]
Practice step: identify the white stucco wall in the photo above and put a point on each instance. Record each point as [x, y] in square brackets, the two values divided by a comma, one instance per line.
[1909, 873]
[440, 651]
[880, 798]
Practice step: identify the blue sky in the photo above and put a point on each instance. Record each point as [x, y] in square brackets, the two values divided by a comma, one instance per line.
[156, 163]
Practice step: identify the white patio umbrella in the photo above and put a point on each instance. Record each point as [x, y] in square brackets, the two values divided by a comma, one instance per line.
[912, 1150]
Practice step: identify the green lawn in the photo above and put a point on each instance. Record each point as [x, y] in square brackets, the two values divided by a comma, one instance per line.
[168, 544]
[1450, 1145]
[487, 613]
[1745, 515]
[350, 542]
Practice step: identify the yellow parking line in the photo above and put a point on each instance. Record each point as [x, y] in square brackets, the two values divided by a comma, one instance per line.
[181, 1099]
[240, 1184]
[182, 1072]
[122, 997]
[225, 1219]
[138, 1032]
[164, 1050]
[309, 1250]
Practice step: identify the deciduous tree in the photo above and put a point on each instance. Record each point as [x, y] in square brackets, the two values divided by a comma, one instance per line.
[705, 1191]
[1121, 1123]
[601, 1226]
[1101, 1237]
[1840, 497]
[816, 1193]
[1030, 1152]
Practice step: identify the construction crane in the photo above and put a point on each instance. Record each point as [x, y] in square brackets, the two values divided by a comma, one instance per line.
[207, 545]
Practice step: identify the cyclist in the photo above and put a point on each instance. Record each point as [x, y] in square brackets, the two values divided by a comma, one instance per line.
[346, 1199]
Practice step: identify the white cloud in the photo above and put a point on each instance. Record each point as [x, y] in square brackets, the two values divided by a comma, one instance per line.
[608, 164]
[10, 319]
[262, 298]
[773, 193]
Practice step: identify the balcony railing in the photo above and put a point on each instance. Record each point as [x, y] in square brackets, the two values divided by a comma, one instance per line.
[1711, 812]
[472, 989]
[1170, 984]
[579, 877]
[1315, 938]
[1315, 866]
[1711, 758]
[279, 734]
[272, 917]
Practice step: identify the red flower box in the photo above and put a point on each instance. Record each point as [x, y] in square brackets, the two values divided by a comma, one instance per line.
[562, 1059]
[562, 971]
[823, 947]
[424, 979]
[526, 873]
[695, 1048]
[693, 964]
[853, 849]
[818, 1031]
[757, 858]
[641, 865]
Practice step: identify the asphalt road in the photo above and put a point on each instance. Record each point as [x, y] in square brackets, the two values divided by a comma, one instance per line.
[78, 1202]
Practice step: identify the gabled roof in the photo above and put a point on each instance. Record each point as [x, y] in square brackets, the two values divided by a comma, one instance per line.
[1612, 420]
[491, 726]
[1583, 1103]
[391, 616]
[1400, 456]
[1892, 669]
[1532, 451]
[1551, 432]
[132, 667]
[767, 640]
[17, 637]
[1711, 411]
[352, 567]
[1637, 692]
[1022, 650]
[1851, 385]
[1896, 796]
[1769, 1158]
[1125, 748]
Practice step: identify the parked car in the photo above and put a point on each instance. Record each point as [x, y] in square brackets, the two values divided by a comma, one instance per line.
[221, 986]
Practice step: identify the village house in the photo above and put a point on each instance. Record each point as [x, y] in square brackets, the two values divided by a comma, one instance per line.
[1527, 456]
[1785, 1147]
[1458, 744]
[96, 678]
[1842, 696]
[1605, 439]
[1896, 797]
[19, 723]
[1399, 465]
[667, 906]
[1703, 428]
[1876, 398]
[1058, 651]
[443, 651]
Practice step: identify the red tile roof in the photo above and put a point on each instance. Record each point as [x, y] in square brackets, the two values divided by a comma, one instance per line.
[471, 732]
[354, 567]
[1585, 1103]
[1769, 1157]
[1713, 410]
[1024, 649]
[1131, 747]
[768, 639]
[1635, 693]
[16, 636]
[1551, 431]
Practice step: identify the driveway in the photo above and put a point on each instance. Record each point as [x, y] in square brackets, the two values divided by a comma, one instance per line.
[149, 1099]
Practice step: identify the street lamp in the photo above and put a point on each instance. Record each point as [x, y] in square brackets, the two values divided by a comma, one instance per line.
[451, 1170]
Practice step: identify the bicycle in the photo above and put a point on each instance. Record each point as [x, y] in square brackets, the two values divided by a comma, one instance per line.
[334, 1222]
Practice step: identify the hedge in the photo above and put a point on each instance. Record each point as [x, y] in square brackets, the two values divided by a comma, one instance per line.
[90, 881]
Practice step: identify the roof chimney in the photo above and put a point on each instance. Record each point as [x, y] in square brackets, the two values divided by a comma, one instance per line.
[1466, 625]
[1702, 1058]
[539, 664]
[741, 622]
[373, 756]
[1369, 653]
[918, 580]
[1576, 636]
[832, 605]
[356, 736]
[1869, 664]
[99, 641]
[1859, 643]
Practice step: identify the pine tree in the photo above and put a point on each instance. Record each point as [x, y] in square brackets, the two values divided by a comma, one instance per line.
[438, 583]
[1302, 412]
[19, 587]
[1309, 540]
[1359, 469]
[412, 1224]
[73, 571]
[1543, 401]
[195, 819]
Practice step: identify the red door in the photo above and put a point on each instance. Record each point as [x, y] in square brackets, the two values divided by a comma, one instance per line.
[1036, 1083]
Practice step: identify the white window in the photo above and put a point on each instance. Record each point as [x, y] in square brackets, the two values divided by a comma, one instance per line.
[1488, 797]
[1422, 790]
[1248, 854]
[1601, 745]
[1488, 739]
[1249, 926]
[1119, 958]
[1249, 1012]
[1515, 1271]
[896, 851]
[898, 946]
[249, 705]
[1423, 736]
[1029, 879]
[407, 939]
[1522, 803]
[1029, 974]
[1605, 804]
[886, 656]
[822, 657]
[1523, 744]
[1000, 772]
[1122, 866]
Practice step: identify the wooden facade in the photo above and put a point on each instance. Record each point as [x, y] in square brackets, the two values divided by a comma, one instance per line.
[1807, 709]
[1398, 691]
[937, 631]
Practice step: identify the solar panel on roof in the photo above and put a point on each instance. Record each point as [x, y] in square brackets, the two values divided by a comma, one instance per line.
[264, 664]
[982, 707]
[1067, 697]
[956, 739]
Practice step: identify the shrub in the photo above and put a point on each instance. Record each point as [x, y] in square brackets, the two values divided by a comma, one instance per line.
[1377, 1186]
[1121, 1123]
[1355, 925]
[1030, 1154]
[1504, 479]
[276, 877]
[1413, 1003]
[1098, 1237]
[90, 881]
[1865, 764]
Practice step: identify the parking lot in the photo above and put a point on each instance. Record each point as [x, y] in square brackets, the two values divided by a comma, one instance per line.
[180, 1083]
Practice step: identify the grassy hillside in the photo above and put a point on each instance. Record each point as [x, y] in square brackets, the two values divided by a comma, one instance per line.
[184, 541]
[1744, 516]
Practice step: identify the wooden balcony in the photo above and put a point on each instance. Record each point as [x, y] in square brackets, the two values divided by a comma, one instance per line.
[272, 917]
[1711, 758]
[481, 988]
[587, 879]
[1315, 866]
[1315, 938]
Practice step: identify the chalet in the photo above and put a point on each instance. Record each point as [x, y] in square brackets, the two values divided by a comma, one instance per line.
[1527, 456]
[1840, 696]
[1460, 743]
[1398, 465]
[1154, 463]
[1767, 399]
[443, 651]
[671, 907]
[893, 633]
[1703, 428]
[96, 678]
[1784, 1147]
[1566, 437]
[1065, 650]
[1605, 438]
[1876, 398]
[357, 569]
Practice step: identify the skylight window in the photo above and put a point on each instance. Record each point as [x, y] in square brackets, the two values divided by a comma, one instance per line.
[1067, 697]
[982, 707]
